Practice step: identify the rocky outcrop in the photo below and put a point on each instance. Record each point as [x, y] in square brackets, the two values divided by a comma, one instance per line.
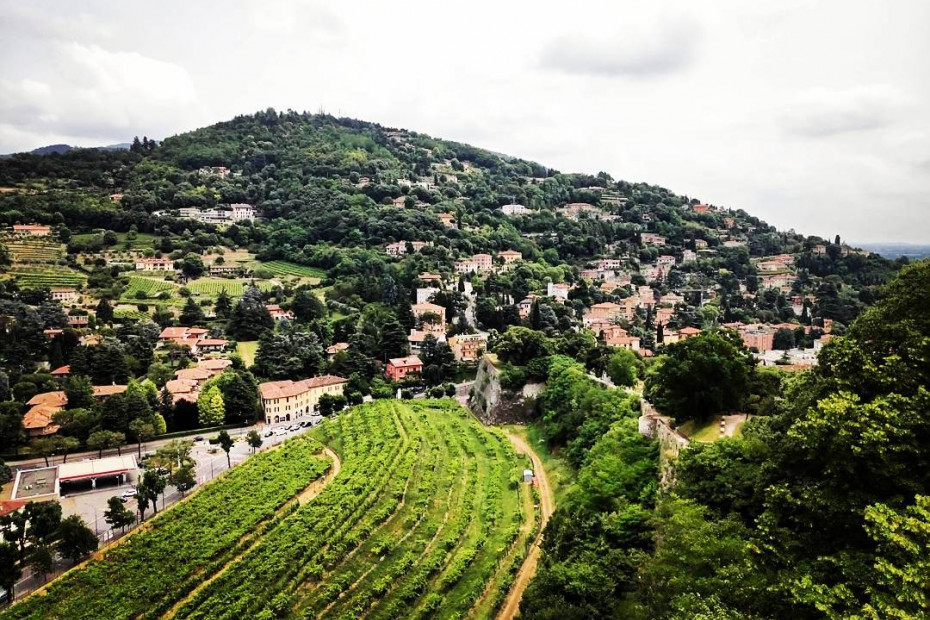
[494, 405]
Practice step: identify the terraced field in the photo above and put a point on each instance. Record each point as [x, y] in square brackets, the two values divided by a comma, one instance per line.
[46, 277]
[426, 518]
[211, 287]
[35, 252]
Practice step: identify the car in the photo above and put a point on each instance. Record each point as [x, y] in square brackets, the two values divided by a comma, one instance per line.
[281, 431]
[269, 433]
[198, 438]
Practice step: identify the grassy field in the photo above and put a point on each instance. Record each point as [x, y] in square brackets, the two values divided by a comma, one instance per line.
[708, 432]
[246, 351]
[426, 518]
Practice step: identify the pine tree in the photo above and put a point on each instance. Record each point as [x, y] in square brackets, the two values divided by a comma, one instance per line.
[223, 305]
[104, 312]
[192, 314]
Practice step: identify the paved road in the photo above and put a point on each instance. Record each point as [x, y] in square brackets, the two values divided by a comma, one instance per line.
[210, 461]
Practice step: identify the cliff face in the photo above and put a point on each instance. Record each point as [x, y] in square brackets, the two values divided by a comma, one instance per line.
[494, 405]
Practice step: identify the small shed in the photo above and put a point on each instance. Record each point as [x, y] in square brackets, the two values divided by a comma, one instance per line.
[528, 476]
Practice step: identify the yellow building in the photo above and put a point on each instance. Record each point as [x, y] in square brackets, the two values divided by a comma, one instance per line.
[285, 401]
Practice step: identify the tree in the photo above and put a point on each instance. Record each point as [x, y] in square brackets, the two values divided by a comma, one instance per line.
[240, 396]
[223, 306]
[44, 519]
[151, 485]
[701, 376]
[226, 443]
[105, 440]
[117, 515]
[210, 407]
[624, 367]
[76, 540]
[254, 440]
[191, 314]
[250, 319]
[307, 307]
[331, 403]
[289, 354]
[519, 345]
[192, 266]
[104, 312]
[142, 431]
[10, 570]
[44, 447]
[79, 392]
[42, 561]
[184, 479]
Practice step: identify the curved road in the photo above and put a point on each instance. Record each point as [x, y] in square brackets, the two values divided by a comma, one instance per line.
[546, 505]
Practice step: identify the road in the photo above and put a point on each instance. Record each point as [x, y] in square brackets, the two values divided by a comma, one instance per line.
[210, 462]
[546, 506]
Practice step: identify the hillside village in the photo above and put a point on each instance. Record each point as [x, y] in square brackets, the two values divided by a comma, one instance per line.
[269, 272]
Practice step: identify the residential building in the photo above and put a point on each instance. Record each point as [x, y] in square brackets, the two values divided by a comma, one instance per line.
[31, 230]
[526, 306]
[225, 270]
[700, 209]
[514, 210]
[209, 345]
[700, 244]
[419, 310]
[399, 368]
[278, 313]
[448, 219]
[38, 419]
[78, 321]
[336, 348]
[510, 256]
[154, 264]
[688, 256]
[400, 247]
[557, 291]
[240, 212]
[286, 401]
[653, 239]
[468, 347]
[64, 294]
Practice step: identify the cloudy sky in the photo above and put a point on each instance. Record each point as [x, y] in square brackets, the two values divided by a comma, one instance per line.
[812, 115]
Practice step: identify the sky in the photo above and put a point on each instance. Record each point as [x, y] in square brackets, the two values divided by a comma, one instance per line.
[811, 115]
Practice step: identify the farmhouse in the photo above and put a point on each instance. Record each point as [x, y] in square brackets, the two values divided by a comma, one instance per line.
[284, 401]
[64, 294]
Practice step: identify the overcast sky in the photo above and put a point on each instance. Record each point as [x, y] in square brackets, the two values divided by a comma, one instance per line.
[811, 115]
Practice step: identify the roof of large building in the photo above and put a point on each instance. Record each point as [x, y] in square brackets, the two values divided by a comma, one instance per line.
[284, 389]
[111, 465]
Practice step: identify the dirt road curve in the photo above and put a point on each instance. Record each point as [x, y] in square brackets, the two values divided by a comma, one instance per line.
[547, 504]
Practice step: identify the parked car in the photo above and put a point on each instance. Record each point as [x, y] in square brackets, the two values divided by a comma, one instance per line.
[198, 438]
[269, 433]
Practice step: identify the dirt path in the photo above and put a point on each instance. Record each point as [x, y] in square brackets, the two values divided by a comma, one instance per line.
[511, 604]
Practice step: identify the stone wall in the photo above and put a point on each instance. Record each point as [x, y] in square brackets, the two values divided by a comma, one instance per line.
[492, 404]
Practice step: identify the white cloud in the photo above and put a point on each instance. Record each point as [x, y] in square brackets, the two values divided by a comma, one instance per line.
[821, 112]
[628, 51]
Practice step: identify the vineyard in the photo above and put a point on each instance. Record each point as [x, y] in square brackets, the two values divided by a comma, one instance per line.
[150, 286]
[283, 268]
[46, 278]
[426, 518]
[35, 252]
[211, 287]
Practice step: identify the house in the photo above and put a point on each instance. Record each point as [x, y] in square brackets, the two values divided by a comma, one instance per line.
[240, 212]
[448, 219]
[557, 291]
[400, 202]
[758, 337]
[622, 341]
[61, 371]
[400, 248]
[729, 222]
[605, 311]
[688, 332]
[665, 261]
[770, 265]
[154, 264]
[336, 348]
[209, 345]
[700, 209]
[64, 294]
[484, 262]
[278, 313]
[215, 366]
[31, 230]
[653, 239]
[468, 347]
[38, 420]
[183, 336]
[225, 270]
[78, 321]
[700, 244]
[183, 389]
[420, 310]
[688, 256]
[284, 401]
[526, 306]
[514, 210]
[510, 256]
[425, 294]
[574, 210]
[429, 278]
[609, 264]
[400, 367]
